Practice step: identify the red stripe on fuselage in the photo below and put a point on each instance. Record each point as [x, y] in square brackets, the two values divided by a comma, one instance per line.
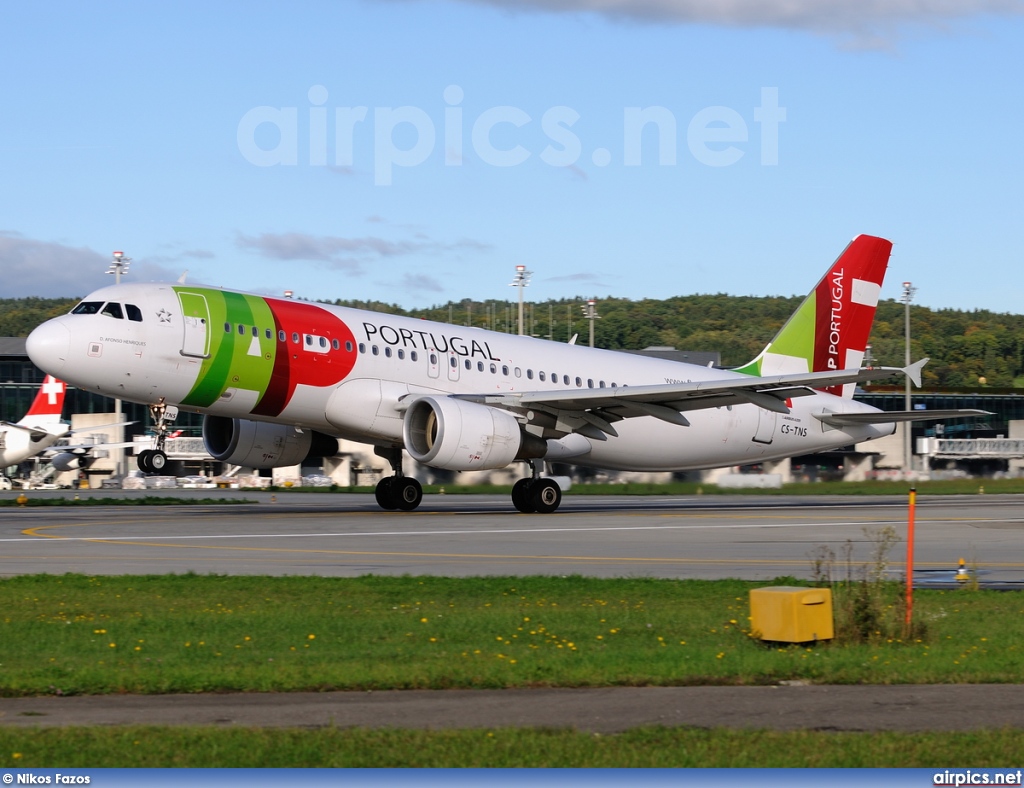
[294, 363]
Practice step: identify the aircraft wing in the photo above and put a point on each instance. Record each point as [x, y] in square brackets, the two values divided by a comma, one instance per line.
[591, 412]
[892, 416]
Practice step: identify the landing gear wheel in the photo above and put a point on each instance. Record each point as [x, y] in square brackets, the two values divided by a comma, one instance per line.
[406, 493]
[521, 496]
[385, 499]
[545, 495]
[143, 461]
[157, 461]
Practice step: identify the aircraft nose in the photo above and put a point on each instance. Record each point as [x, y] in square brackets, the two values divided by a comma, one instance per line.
[48, 346]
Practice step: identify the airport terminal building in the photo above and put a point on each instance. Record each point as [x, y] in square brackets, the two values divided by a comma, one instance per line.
[983, 447]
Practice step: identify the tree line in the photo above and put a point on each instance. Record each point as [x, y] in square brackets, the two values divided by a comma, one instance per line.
[968, 349]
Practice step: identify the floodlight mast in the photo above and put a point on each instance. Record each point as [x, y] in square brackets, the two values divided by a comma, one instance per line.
[521, 280]
[590, 313]
[906, 298]
[118, 265]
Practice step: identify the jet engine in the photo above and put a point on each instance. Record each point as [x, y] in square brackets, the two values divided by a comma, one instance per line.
[258, 444]
[71, 461]
[443, 432]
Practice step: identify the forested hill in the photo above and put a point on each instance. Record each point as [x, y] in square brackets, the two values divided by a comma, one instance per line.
[963, 346]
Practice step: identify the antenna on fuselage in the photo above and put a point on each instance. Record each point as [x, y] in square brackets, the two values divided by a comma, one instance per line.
[181, 279]
[119, 265]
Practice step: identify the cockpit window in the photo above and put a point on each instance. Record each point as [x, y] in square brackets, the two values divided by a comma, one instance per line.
[87, 308]
[113, 309]
[133, 312]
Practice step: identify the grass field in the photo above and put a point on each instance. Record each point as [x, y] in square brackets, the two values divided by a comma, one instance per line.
[137, 746]
[76, 634]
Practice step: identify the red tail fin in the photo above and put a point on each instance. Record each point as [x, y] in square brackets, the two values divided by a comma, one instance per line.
[49, 402]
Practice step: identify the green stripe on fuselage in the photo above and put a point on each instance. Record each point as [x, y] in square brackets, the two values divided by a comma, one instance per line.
[231, 364]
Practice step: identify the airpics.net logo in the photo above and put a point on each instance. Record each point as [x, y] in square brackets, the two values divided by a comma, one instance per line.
[404, 137]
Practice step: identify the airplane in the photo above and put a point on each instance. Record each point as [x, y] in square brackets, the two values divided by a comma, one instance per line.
[40, 429]
[280, 381]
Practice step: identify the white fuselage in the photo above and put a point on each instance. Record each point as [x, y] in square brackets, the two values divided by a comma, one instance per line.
[265, 350]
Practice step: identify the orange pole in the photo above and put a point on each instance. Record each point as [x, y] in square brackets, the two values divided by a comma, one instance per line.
[910, 557]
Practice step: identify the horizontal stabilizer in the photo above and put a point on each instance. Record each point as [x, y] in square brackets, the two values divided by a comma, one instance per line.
[892, 416]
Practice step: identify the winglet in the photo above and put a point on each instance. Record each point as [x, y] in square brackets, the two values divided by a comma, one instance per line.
[914, 371]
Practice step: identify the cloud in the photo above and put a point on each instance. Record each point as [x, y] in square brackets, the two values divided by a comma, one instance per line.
[418, 283]
[863, 20]
[52, 270]
[350, 254]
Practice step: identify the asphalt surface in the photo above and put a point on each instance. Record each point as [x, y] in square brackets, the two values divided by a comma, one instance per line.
[659, 536]
[958, 707]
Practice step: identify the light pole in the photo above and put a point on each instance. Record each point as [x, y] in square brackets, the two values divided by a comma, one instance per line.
[118, 265]
[521, 280]
[906, 298]
[590, 313]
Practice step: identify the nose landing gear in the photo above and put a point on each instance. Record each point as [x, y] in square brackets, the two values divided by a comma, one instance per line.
[155, 460]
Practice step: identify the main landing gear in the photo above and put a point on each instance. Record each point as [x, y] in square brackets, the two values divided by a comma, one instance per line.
[155, 460]
[535, 494]
[398, 491]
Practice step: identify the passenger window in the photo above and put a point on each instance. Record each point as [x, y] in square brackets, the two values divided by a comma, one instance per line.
[362, 347]
[519, 372]
[135, 314]
[454, 362]
[348, 347]
[295, 337]
[413, 355]
[309, 339]
[541, 374]
[323, 341]
[529, 374]
[87, 308]
[113, 310]
[335, 344]
[469, 364]
[479, 366]
[401, 353]
[227, 328]
[433, 358]
[590, 383]
[375, 350]
[268, 334]
[578, 382]
[565, 379]
[281, 336]
[241, 329]
[504, 370]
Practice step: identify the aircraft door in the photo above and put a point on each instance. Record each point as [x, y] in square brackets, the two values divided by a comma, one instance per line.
[766, 420]
[195, 313]
[453, 366]
[433, 364]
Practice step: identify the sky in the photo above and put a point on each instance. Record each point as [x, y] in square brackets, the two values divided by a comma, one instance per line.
[417, 151]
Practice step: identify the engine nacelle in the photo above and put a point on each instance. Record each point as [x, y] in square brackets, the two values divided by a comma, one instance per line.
[69, 461]
[258, 444]
[464, 436]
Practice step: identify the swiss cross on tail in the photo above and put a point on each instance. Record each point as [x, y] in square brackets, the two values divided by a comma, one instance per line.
[49, 401]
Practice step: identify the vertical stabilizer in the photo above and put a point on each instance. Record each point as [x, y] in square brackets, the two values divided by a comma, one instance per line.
[830, 329]
[48, 404]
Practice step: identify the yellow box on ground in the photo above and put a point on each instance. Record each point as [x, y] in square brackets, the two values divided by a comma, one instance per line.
[790, 614]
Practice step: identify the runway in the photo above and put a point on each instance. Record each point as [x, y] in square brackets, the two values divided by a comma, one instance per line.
[342, 535]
